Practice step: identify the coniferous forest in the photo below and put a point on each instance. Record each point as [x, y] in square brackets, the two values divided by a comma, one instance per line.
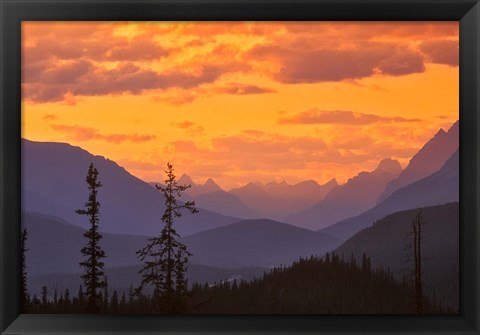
[330, 285]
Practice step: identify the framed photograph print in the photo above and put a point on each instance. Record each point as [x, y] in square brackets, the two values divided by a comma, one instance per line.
[239, 167]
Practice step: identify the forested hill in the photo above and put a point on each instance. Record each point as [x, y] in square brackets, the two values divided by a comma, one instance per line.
[311, 286]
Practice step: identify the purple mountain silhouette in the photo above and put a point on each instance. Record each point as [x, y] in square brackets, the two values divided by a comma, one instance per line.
[53, 183]
[225, 203]
[261, 242]
[439, 188]
[352, 198]
[426, 161]
[278, 200]
[197, 189]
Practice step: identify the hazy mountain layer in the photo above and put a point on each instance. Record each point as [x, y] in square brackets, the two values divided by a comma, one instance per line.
[438, 188]
[278, 200]
[54, 184]
[427, 160]
[257, 243]
[225, 203]
[357, 195]
[55, 245]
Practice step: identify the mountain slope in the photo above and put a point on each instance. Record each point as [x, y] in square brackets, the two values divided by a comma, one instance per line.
[385, 243]
[256, 243]
[427, 160]
[225, 203]
[54, 245]
[278, 200]
[440, 187]
[352, 198]
[54, 184]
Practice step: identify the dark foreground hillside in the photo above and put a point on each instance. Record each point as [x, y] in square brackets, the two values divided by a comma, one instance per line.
[309, 286]
[386, 242]
[313, 286]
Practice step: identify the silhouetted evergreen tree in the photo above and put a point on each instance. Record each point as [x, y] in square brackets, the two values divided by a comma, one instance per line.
[123, 303]
[44, 296]
[417, 224]
[106, 296]
[67, 302]
[165, 257]
[114, 303]
[92, 251]
[80, 296]
[131, 299]
[23, 279]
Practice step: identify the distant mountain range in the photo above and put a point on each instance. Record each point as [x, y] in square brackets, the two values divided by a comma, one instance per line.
[225, 203]
[197, 189]
[357, 195]
[427, 160]
[386, 244]
[278, 200]
[53, 183]
[438, 188]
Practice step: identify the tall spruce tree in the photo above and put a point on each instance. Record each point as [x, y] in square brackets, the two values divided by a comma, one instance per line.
[165, 257]
[417, 234]
[93, 265]
[23, 279]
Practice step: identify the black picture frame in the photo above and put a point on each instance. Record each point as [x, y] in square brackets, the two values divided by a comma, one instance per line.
[13, 12]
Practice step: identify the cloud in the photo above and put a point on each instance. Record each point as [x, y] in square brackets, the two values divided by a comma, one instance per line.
[82, 79]
[79, 133]
[316, 116]
[242, 89]
[97, 59]
[306, 63]
[441, 51]
[94, 41]
[184, 124]
[49, 117]
[192, 128]
[94, 59]
[176, 97]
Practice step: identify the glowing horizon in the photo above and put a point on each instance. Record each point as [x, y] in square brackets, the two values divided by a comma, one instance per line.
[241, 101]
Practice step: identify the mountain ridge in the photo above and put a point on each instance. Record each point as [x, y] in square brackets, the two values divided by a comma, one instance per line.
[440, 187]
[427, 160]
[53, 183]
[355, 196]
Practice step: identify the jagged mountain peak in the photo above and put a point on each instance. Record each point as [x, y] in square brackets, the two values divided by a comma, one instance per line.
[389, 165]
[185, 180]
[427, 160]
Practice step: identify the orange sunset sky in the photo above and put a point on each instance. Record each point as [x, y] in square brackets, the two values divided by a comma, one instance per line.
[242, 101]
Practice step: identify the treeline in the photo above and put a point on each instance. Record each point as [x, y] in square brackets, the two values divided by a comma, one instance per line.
[329, 285]
[55, 302]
